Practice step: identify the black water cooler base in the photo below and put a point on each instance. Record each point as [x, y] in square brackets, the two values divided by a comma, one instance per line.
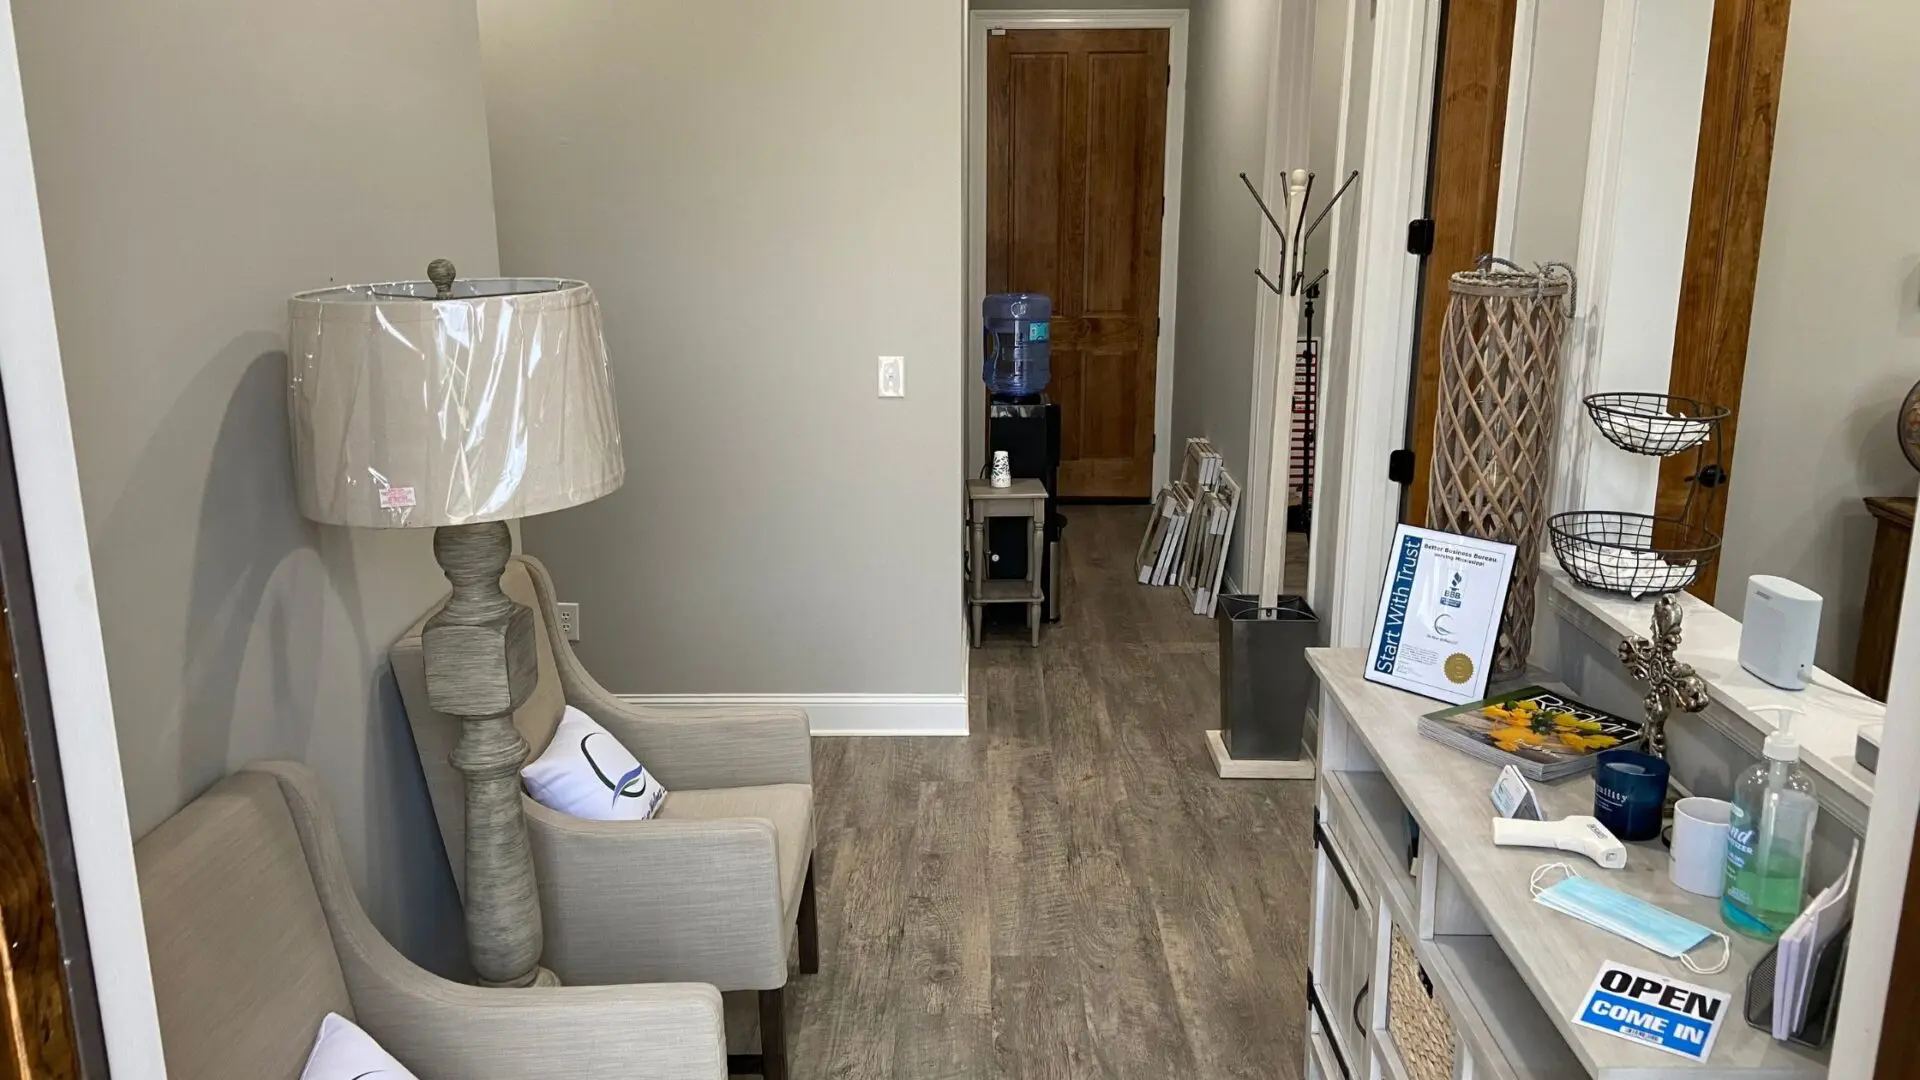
[1028, 429]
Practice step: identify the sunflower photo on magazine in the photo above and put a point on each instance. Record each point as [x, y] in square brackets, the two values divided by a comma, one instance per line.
[1546, 734]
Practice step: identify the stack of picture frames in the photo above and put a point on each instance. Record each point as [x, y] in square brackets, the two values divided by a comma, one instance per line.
[1187, 537]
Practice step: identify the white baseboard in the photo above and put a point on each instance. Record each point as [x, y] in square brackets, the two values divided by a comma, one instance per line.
[844, 714]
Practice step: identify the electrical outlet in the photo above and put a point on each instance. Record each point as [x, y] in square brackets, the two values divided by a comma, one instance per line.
[893, 376]
[569, 621]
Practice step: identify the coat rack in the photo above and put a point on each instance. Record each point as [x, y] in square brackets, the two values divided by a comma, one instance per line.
[1293, 244]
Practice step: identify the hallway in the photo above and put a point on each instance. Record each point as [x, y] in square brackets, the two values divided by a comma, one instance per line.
[1068, 892]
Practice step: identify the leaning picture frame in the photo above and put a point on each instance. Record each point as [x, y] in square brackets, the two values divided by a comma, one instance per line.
[1439, 616]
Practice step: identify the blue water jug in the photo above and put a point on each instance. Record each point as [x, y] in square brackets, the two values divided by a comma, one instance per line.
[1015, 360]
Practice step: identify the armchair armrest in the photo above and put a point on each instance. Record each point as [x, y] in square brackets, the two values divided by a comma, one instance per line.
[702, 746]
[454, 1032]
[660, 901]
[444, 1030]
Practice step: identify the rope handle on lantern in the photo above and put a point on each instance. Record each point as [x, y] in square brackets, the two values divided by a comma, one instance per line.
[1543, 275]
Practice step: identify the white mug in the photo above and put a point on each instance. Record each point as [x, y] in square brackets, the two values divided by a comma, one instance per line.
[1002, 474]
[1699, 856]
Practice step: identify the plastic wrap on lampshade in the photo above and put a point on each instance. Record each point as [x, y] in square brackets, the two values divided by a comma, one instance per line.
[408, 411]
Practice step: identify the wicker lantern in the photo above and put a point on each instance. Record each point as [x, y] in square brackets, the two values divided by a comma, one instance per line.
[1495, 428]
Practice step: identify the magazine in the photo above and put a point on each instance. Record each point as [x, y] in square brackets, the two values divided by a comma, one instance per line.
[1545, 734]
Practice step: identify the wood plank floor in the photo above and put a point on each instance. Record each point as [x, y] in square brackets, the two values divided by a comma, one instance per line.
[1068, 892]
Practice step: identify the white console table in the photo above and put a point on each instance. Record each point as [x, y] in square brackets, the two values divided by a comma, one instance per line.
[1507, 973]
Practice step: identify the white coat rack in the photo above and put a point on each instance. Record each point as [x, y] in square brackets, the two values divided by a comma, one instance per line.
[1293, 244]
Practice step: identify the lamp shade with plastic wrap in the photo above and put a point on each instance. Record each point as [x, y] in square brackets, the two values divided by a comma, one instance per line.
[409, 410]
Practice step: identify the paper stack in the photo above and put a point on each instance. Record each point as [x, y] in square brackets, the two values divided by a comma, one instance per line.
[1793, 959]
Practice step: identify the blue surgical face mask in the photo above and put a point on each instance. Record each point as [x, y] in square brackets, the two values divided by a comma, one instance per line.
[1630, 917]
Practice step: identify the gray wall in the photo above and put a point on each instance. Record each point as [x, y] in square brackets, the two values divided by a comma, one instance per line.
[1835, 340]
[1074, 5]
[765, 202]
[1230, 50]
[198, 162]
[1559, 123]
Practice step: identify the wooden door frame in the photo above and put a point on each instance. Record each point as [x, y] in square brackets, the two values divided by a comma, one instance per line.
[1731, 172]
[1464, 188]
[979, 24]
[54, 522]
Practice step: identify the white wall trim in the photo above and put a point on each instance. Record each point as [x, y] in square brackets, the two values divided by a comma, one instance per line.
[842, 714]
[1289, 99]
[62, 570]
[979, 23]
[1881, 888]
[1513, 143]
[1392, 191]
[1320, 565]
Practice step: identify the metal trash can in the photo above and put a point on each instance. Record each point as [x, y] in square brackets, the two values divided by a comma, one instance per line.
[1265, 682]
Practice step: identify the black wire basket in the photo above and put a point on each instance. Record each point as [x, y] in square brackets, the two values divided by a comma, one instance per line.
[1657, 425]
[1636, 554]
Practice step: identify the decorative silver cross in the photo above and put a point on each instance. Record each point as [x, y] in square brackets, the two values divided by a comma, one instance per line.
[1670, 684]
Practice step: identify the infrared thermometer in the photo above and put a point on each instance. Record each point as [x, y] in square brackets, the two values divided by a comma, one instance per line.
[1580, 835]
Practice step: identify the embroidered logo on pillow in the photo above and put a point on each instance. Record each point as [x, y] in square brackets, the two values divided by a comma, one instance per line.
[587, 773]
[635, 783]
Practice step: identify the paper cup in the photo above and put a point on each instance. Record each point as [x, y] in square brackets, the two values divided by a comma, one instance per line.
[1700, 845]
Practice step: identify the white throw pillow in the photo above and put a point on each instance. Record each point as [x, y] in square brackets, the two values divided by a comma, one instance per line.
[344, 1052]
[585, 772]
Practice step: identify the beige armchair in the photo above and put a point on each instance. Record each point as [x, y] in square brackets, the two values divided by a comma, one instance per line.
[255, 934]
[717, 888]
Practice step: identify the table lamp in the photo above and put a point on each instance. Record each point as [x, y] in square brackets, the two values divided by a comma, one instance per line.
[458, 406]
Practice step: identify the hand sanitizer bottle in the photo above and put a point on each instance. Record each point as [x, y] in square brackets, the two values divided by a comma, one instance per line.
[1768, 835]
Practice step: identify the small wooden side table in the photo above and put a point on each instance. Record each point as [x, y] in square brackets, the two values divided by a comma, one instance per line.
[1027, 499]
[1886, 580]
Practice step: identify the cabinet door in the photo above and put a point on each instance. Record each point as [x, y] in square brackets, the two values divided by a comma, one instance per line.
[1343, 954]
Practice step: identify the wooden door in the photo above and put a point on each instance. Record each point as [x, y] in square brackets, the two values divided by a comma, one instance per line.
[37, 1036]
[50, 1027]
[1463, 193]
[1734, 160]
[1076, 157]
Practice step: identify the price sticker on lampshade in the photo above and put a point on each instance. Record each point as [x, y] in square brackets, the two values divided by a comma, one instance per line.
[1439, 616]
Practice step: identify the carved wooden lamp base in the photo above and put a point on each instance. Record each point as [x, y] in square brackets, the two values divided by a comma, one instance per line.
[481, 666]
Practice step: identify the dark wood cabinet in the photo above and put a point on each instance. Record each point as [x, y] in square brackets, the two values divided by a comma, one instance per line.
[1886, 581]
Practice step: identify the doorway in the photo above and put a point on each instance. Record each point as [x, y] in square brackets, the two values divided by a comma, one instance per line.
[1074, 172]
[1463, 195]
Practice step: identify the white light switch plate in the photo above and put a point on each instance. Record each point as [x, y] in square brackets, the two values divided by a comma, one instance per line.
[893, 376]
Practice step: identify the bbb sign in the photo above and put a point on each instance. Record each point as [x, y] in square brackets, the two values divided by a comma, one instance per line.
[1661, 1012]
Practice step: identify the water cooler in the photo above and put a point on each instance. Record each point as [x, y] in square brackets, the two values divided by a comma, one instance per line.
[1022, 421]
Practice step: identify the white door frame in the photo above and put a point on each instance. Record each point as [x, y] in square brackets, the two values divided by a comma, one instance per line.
[62, 573]
[1392, 191]
[1881, 889]
[979, 24]
[1289, 99]
[1526, 24]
